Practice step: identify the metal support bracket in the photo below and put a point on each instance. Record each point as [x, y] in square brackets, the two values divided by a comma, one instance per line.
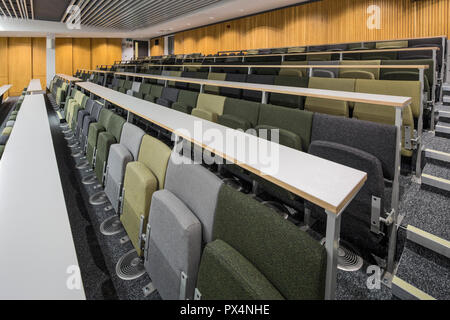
[375, 215]
[183, 285]
[197, 295]
[141, 236]
[331, 246]
[408, 140]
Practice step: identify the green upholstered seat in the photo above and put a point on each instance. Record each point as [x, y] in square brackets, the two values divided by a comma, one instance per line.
[386, 114]
[155, 93]
[7, 131]
[119, 85]
[14, 113]
[240, 279]
[239, 114]
[410, 74]
[392, 44]
[300, 72]
[76, 108]
[142, 179]
[328, 106]
[2, 149]
[296, 50]
[12, 117]
[95, 129]
[360, 73]
[209, 107]
[187, 100]
[242, 264]
[173, 74]
[127, 85]
[143, 90]
[319, 57]
[295, 125]
[285, 100]
[105, 140]
[215, 76]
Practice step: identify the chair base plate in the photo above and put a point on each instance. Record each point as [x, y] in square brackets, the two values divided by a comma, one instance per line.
[91, 179]
[130, 266]
[111, 226]
[98, 199]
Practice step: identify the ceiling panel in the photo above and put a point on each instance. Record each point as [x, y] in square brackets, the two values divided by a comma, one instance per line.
[133, 14]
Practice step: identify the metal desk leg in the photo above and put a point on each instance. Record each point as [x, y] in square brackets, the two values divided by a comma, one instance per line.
[395, 193]
[264, 97]
[420, 126]
[331, 246]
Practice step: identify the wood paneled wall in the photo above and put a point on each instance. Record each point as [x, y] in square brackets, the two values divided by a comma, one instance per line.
[157, 50]
[322, 22]
[22, 59]
[84, 53]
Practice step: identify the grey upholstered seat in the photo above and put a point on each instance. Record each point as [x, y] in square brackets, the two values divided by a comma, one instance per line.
[134, 88]
[82, 114]
[119, 156]
[95, 115]
[181, 219]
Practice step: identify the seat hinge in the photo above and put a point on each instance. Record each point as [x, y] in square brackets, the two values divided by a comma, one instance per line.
[408, 136]
[197, 295]
[375, 215]
[183, 285]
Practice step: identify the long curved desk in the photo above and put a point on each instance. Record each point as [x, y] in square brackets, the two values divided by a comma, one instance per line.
[39, 259]
[3, 90]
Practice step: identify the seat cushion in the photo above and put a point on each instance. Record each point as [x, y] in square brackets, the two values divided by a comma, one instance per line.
[94, 130]
[175, 245]
[140, 184]
[4, 140]
[7, 131]
[105, 140]
[182, 108]
[119, 157]
[225, 274]
[233, 122]
[205, 114]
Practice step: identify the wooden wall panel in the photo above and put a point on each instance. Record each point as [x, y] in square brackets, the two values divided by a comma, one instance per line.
[40, 60]
[19, 64]
[99, 52]
[157, 50]
[321, 22]
[114, 51]
[81, 54]
[4, 62]
[64, 58]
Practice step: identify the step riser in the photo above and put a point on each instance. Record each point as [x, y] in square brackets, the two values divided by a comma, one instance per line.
[440, 184]
[442, 131]
[444, 116]
[439, 157]
[428, 241]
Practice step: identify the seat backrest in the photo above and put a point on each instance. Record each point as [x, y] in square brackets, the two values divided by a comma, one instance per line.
[300, 72]
[298, 122]
[375, 72]
[392, 44]
[211, 103]
[244, 223]
[155, 155]
[388, 87]
[156, 91]
[260, 79]
[170, 94]
[244, 110]
[131, 138]
[296, 49]
[428, 72]
[334, 71]
[115, 126]
[232, 92]
[145, 88]
[96, 109]
[188, 98]
[136, 86]
[215, 76]
[105, 117]
[285, 100]
[376, 139]
[89, 105]
[197, 188]
[328, 106]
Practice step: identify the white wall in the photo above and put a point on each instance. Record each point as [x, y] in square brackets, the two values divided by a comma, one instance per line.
[127, 50]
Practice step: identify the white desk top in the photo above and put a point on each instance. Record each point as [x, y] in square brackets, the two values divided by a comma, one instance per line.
[35, 85]
[68, 78]
[385, 100]
[327, 184]
[36, 242]
[4, 89]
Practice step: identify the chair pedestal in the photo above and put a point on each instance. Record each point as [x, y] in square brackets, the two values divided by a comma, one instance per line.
[130, 266]
[111, 226]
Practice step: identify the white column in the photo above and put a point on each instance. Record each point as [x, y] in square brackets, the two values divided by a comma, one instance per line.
[51, 54]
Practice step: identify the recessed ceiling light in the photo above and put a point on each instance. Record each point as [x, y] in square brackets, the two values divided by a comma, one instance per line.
[241, 10]
[188, 23]
[211, 18]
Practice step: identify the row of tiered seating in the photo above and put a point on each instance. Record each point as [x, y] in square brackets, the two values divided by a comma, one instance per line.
[146, 182]
[4, 137]
[211, 106]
